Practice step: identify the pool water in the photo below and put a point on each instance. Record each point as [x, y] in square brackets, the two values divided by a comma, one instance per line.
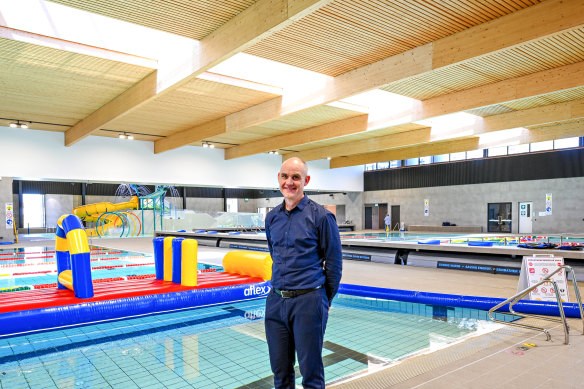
[224, 346]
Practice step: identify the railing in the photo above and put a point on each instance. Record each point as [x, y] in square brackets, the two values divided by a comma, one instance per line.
[512, 300]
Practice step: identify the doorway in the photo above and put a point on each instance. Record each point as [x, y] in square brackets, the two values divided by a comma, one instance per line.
[526, 217]
[374, 215]
[395, 218]
[382, 214]
[499, 217]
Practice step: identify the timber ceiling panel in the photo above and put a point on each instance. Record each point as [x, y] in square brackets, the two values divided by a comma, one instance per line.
[197, 102]
[192, 19]
[295, 122]
[50, 85]
[530, 102]
[349, 139]
[348, 34]
[545, 54]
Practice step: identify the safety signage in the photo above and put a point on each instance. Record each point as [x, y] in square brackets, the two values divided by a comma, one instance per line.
[548, 203]
[536, 268]
[426, 207]
[9, 216]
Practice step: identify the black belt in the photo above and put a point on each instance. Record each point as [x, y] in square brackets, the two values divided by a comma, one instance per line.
[286, 294]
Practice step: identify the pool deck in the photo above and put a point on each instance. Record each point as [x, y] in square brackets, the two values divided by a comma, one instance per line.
[507, 358]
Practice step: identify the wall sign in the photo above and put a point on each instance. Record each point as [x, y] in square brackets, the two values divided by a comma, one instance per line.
[426, 207]
[548, 203]
[9, 216]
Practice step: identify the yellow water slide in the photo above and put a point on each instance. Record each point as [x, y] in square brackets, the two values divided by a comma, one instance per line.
[91, 213]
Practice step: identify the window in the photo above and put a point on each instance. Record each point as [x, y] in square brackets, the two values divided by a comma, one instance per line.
[541, 146]
[475, 154]
[442, 158]
[518, 149]
[370, 166]
[383, 165]
[496, 151]
[425, 160]
[412, 161]
[33, 210]
[393, 164]
[566, 143]
[458, 156]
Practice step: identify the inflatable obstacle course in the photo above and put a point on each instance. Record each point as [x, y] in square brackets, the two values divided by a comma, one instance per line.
[78, 302]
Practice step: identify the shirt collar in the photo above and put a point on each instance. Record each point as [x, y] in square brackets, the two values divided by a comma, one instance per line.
[300, 205]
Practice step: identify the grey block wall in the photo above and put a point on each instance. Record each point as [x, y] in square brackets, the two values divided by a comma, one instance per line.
[468, 204]
[6, 234]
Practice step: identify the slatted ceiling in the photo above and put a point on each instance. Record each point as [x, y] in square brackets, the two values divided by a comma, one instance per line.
[348, 34]
[197, 102]
[566, 95]
[192, 19]
[55, 86]
[559, 50]
[439, 82]
[489, 110]
[305, 119]
[531, 102]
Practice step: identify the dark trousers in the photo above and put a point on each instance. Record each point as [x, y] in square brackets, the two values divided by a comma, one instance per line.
[296, 324]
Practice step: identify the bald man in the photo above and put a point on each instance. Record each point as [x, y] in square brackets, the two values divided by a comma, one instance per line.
[305, 246]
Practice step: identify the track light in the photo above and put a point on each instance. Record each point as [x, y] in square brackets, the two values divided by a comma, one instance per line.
[131, 137]
[275, 152]
[19, 124]
[328, 158]
[208, 145]
[125, 135]
[122, 136]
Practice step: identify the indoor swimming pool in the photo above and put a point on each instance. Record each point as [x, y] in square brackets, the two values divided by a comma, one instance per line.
[224, 346]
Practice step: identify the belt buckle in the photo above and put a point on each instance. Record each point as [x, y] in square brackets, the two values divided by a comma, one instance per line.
[287, 294]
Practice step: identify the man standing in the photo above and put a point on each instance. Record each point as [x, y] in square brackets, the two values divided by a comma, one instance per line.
[305, 246]
[387, 221]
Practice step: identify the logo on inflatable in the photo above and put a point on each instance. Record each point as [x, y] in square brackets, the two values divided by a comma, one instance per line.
[254, 290]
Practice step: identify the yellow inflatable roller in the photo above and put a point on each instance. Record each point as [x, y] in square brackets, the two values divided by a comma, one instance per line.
[249, 263]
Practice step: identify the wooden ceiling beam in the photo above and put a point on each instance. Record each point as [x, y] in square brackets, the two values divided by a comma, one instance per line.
[554, 131]
[190, 135]
[314, 134]
[536, 84]
[546, 114]
[424, 150]
[366, 145]
[260, 20]
[369, 149]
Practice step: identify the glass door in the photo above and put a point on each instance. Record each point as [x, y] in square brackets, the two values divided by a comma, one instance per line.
[499, 217]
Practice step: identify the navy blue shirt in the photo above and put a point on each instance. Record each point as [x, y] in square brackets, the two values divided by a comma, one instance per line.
[305, 246]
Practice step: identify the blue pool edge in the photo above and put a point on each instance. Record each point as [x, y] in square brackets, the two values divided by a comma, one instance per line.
[546, 308]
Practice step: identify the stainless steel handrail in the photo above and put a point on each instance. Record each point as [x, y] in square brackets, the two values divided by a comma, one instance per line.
[514, 299]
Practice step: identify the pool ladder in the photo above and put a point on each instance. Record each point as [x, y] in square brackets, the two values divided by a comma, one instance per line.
[512, 300]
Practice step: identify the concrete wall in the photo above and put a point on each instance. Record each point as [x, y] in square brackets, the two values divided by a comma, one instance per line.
[468, 204]
[6, 234]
